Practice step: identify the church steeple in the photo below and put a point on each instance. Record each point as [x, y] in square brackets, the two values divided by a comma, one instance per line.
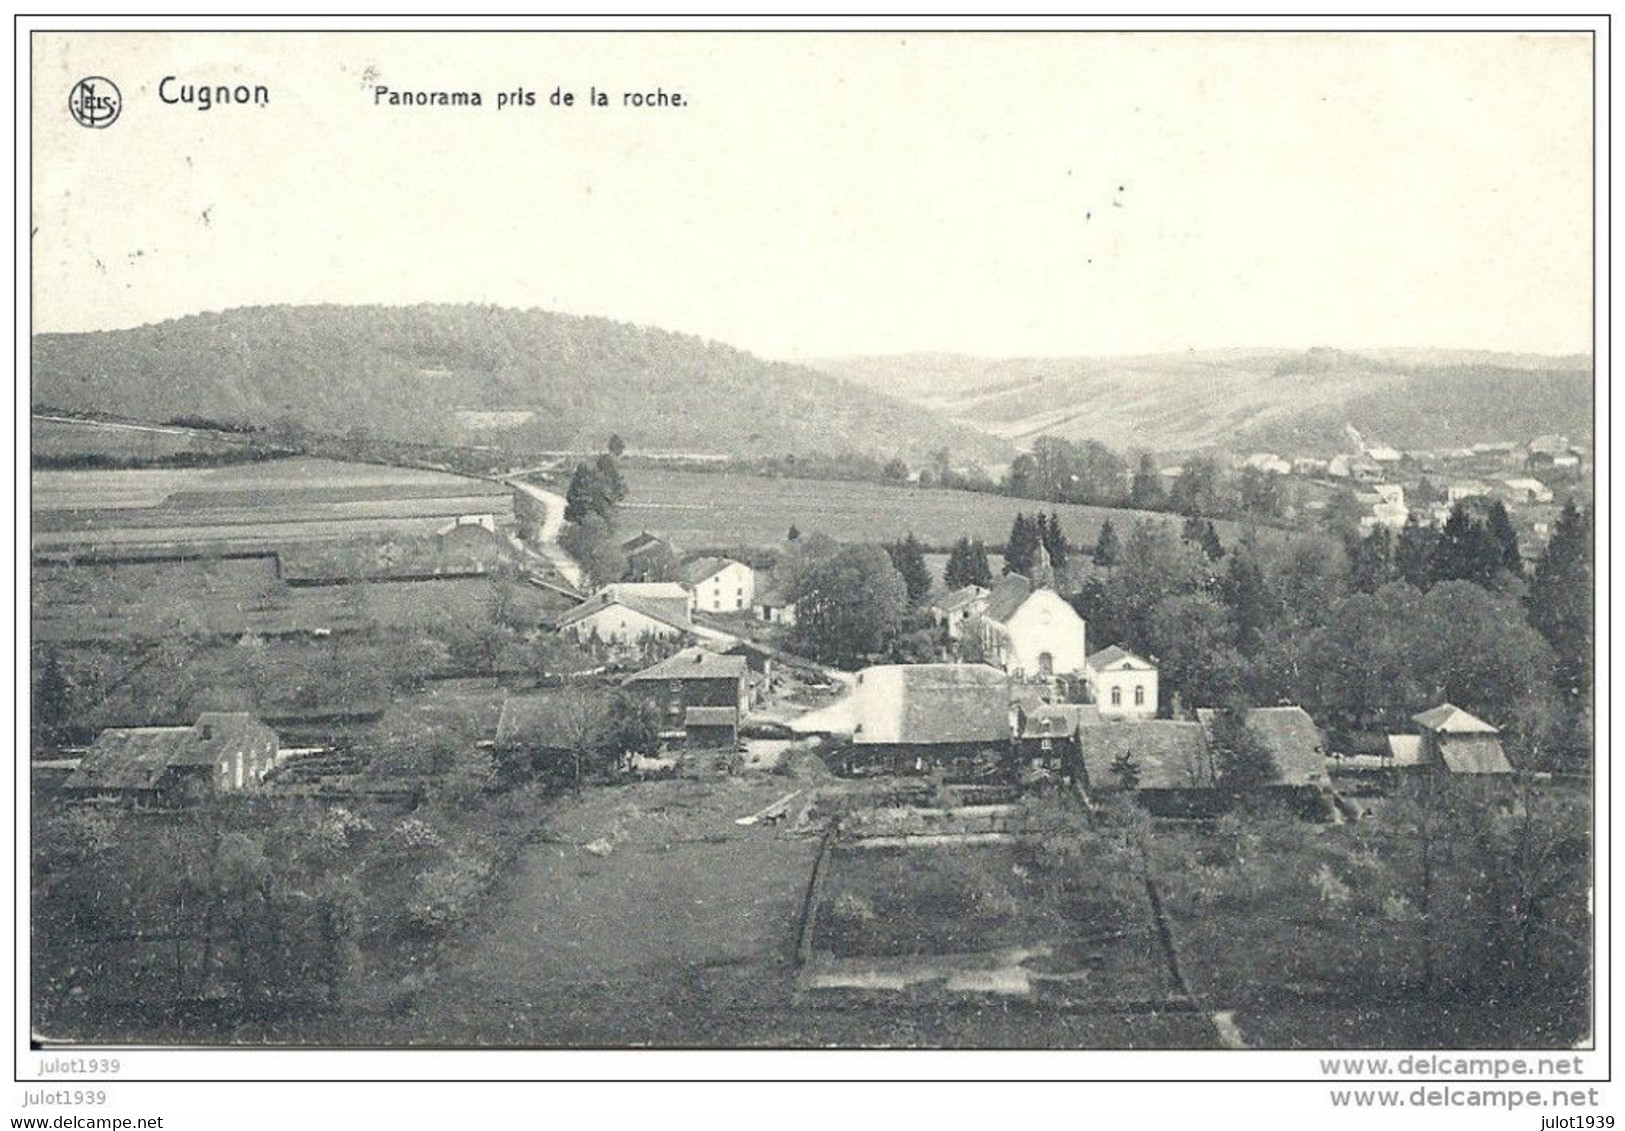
[1043, 568]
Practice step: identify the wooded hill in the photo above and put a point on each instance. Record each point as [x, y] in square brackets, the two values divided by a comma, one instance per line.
[522, 380]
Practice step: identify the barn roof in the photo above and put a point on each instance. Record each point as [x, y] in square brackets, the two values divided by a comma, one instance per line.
[645, 541]
[1169, 754]
[932, 704]
[695, 663]
[1447, 718]
[1405, 749]
[661, 610]
[1294, 742]
[1474, 754]
[131, 758]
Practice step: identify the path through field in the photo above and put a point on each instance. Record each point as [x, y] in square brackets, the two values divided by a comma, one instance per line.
[553, 505]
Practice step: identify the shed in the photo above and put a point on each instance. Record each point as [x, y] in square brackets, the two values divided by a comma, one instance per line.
[1460, 742]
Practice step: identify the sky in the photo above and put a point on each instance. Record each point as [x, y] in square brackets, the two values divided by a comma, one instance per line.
[827, 195]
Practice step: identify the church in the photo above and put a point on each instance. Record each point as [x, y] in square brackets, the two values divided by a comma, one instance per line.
[1029, 629]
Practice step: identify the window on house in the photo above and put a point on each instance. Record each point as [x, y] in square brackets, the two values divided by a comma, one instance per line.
[1139, 696]
[1117, 697]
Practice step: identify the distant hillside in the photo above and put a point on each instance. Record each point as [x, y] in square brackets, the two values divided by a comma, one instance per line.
[479, 375]
[1298, 401]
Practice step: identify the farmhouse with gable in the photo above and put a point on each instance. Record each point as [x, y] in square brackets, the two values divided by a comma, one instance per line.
[624, 619]
[721, 585]
[225, 752]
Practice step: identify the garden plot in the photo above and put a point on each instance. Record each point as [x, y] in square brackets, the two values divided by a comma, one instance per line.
[1060, 918]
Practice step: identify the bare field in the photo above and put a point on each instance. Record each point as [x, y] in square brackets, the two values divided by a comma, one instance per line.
[56, 438]
[701, 509]
[276, 502]
[87, 603]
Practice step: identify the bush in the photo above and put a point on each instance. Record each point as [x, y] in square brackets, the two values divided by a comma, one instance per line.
[414, 833]
[447, 894]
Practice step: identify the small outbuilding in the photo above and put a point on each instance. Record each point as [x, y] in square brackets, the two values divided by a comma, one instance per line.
[1460, 742]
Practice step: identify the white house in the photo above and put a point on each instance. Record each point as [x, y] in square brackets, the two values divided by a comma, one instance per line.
[1466, 489]
[1122, 685]
[1031, 632]
[1386, 502]
[620, 618]
[1267, 461]
[955, 610]
[721, 585]
[667, 596]
[1528, 491]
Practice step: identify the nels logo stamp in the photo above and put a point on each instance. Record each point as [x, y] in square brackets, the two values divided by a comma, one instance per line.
[95, 102]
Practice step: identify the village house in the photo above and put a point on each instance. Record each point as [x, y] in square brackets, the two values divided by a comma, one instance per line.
[1386, 504]
[1504, 451]
[1031, 632]
[225, 752]
[1121, 684]
[773, 604]
[1527, 491]
[471, 542]
[720, 585]
[670, 596]
[710, 728]
[1550, 445]
[955, 610]
[911, 718]
[1458, 742]
[1047, 734]
[649, 557]
[695, 677]
[625, 620]
[551, 729]
[1466, 489]
[1267, 461]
